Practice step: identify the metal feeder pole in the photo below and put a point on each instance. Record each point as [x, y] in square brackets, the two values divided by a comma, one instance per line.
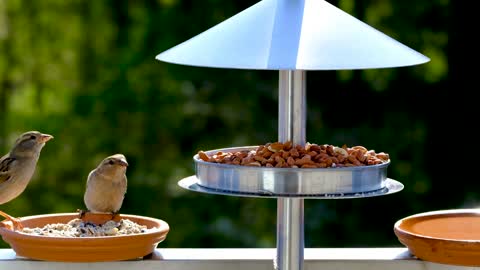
[291, 127]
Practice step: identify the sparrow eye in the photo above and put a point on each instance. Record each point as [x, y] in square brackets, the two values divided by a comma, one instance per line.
[32, 137]
[111, 162]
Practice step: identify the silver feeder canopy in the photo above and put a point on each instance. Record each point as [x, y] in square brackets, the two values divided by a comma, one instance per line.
[291, 36]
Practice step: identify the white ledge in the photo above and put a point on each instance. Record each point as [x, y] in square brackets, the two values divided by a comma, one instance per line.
[243, 258]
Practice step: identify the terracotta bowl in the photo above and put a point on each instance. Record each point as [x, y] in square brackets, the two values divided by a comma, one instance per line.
[448, 236]
[84, 249]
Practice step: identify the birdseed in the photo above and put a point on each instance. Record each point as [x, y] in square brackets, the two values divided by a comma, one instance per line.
[79, 228]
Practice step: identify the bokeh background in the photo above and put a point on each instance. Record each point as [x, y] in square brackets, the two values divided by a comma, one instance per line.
[84, 71]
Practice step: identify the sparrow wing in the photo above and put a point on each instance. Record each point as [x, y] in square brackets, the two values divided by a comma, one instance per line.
[5, 165]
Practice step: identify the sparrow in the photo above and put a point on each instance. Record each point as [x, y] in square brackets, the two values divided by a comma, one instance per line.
[106, 186]
[17, 168]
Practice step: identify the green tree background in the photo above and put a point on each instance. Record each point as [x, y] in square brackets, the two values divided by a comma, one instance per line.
[84, 71]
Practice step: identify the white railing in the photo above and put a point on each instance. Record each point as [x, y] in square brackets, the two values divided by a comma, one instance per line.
[245, 258]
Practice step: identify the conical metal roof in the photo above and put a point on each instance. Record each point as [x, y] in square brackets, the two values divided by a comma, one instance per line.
[292, 35]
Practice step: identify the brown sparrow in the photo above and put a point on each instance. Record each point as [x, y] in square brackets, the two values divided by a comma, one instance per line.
[106, 186]
[17, 168]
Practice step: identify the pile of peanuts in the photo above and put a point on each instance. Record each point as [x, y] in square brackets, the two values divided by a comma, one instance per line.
[288, 155]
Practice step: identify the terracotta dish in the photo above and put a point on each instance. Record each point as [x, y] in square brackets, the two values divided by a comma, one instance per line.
[448, 236]
[84, 249]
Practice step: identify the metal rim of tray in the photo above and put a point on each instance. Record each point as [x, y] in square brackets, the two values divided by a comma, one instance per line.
[391, 186]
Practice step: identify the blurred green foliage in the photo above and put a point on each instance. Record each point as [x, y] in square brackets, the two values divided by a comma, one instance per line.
[84, 71]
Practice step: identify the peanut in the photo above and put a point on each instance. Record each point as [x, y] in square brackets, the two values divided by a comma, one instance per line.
[294, 153]
[304, 160]
[340, 151]
[322, 165]
[330, 150]
[279, 159]
[203, 156]
[307, 146]
[361, 148]
[309, 166]
[290, 161]
[287, 145]
[255, 163]
[275, 147]
[316, 148]
[383, 156]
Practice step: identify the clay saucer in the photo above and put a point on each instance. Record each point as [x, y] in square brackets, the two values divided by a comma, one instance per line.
[448, 236]
[84, 249]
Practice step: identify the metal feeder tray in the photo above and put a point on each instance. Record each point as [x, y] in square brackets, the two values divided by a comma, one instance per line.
[348, 182]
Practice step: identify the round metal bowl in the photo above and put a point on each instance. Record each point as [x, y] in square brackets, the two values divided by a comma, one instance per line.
[288, 181]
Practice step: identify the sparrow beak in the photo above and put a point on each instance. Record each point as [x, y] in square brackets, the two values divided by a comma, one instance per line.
[122, 162]
[45, 138]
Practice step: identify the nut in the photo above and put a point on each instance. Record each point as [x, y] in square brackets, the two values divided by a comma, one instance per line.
[290, 161]
[255, 164]
[361, 148]
[203, 156]
[275, 147]
[330, 150]
[340, 151]
[287, 145]
[383, 156]
[309, 166]
[307, 159]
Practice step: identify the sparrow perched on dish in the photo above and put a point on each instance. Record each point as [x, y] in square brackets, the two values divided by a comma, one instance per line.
[17, 168]
[106, 186]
